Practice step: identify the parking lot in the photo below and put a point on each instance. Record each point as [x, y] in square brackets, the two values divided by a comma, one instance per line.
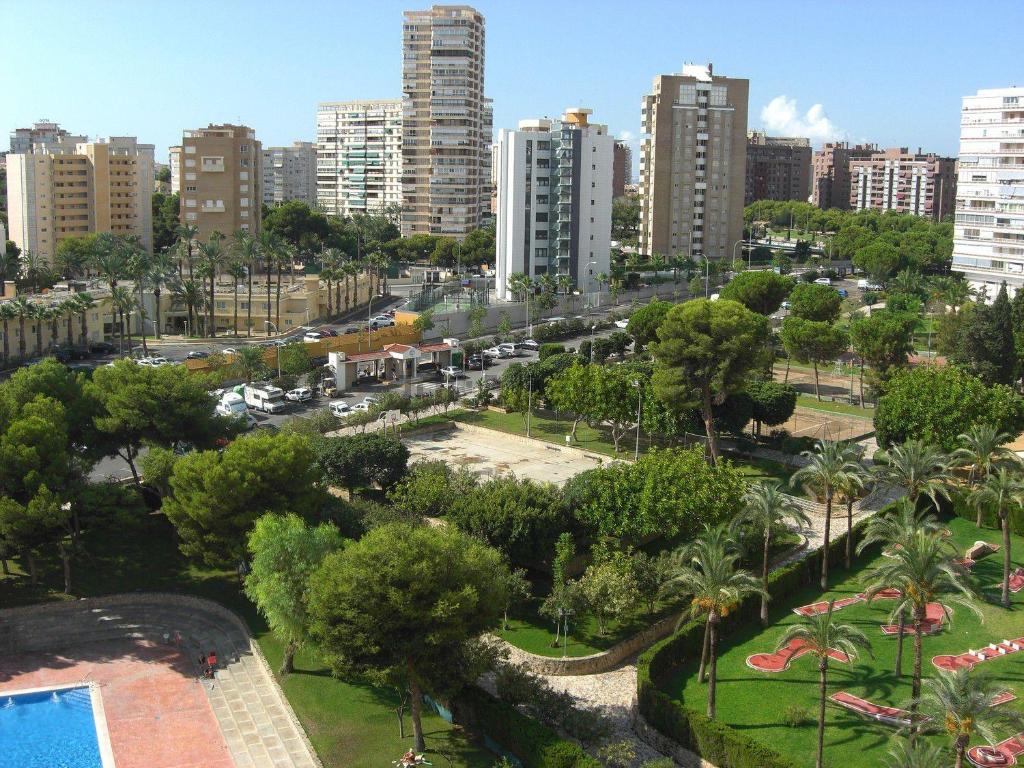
[492, 454]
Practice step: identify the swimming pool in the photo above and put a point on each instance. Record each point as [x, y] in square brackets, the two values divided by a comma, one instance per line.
[53, 728]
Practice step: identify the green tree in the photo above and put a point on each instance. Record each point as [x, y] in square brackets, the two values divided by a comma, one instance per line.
[217, 497]
[643, 324]
[297, 223]
[813, 341]
[923, 569]
[917, 466]
[358, 461]
[295, 359]
[810, 301]
[626, 219]
[428, 488]
[937, 404]
[915, 753]
[766, 509]
[982, 449]
[773, 402]
[827, 471]
[1002, 491]
[609, 589]
[962, 705]
[284, 552]
[879, 259]
[156, 406]
[250, 364]
[823, 635]
[883, 340]
[760, 291]
[572, 391]
[704, 355]
[986, 346]
[717, 586]
[372, 603]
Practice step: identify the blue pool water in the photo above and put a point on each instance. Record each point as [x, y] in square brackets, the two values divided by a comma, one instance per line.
[52, 729]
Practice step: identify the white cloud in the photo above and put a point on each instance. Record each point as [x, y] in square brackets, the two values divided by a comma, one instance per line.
[781, 116]
[626, 136]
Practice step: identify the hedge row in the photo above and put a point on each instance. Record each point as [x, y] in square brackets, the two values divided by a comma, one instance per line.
[536, 745]
[959, 505]
[717, 742]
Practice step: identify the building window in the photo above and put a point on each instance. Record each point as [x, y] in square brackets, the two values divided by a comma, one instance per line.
[243, 175]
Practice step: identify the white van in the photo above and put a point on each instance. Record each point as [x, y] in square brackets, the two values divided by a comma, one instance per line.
[339, 408]
[231, 404]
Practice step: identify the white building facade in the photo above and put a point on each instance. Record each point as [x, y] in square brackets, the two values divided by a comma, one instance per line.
[554, 202]
[289, 173]
[988, 236]
[358, 156]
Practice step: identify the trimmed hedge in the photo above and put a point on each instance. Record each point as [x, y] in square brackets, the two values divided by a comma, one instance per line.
[717, 742]
[536, 745]
[959, 506]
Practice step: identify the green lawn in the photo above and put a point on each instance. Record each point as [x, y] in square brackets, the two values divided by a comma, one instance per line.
[759, 703]
[350, 724]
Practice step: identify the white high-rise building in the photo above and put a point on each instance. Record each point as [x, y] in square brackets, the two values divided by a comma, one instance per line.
[174, 161]
[289, 173]
[554, 213]
[358, 156]
[988, 236]
[446, 124]
[43, 136]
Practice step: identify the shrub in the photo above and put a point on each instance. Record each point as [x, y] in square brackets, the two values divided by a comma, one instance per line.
[796, 715]
[547, 350]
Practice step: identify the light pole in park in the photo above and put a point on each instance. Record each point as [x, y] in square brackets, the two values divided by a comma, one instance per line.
[739, 242]
[594, 279]
[639, 402]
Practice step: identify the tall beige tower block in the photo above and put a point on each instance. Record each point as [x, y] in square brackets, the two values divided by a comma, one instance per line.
[693, 164]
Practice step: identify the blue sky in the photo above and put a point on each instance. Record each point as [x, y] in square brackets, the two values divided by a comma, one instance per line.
[888, 72]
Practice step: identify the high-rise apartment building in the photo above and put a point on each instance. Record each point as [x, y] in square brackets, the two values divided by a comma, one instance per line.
[42, 134]
[622, 168]
[289, 173]
[905, 182]
[174, 161]
[692, 164]
[988, 234]
[446, 123]
[221, 177]
[830, 173]
[778, 168]
[67, 189]
[554, 200]
[358, 156]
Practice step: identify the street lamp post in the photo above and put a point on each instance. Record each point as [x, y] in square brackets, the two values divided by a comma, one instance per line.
[592, 329]
[276, 345]
[529, 404]
[707, 275]
[591, 275]
[738, 242]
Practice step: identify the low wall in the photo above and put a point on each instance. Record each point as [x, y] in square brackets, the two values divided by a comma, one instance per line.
[597, 662]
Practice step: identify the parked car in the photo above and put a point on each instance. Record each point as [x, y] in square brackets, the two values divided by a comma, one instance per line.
[622, 323]
[843, 293]
[264, 396]
[325, 331]
[299, 395]
[451, 372]
[363, 406]
[862, 284]
[509, 350]
[197, 354]
[785, 305]
[339, 408]
[823, 281]
[530, 345]
[381, 322]
[477, 362]
[102, 348]
[312, 336]
[492, 352]
[229, 351]
[351, 329]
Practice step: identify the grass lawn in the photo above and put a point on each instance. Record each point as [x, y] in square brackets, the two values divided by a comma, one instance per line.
[350, 724]
[762, 704]
[598, 440]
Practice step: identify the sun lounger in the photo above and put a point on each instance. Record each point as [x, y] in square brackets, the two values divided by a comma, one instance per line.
[1017, 580]
[1003, 753]
[980, 549]
[883, 714]
[779, 661]
[964, 562]
[973, 657]
[815, 609]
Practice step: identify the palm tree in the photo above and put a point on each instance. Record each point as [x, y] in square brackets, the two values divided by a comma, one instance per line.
[189, 293]
[922, 568]
[68, 309]
[914, 753]
[766, 508]
[717, 586]
[32, 268]
[109, 258]
[138, 264]
[1002, 491]
[269, 244]
[123, 302]
[901, 522]
[38, 314]
[282, 255]
[237, 271]
[827, 471]
[327, 275]
[249, 362]
[822, 634]
[83, 303]
[53, 314]
[161, 274]
[982, 448]
[212, 254]
[918, 467]
[247, 253]
[851, 485]
[907, 281]
[7, 313]
[186, 237]
[961, 704]
[21, 308]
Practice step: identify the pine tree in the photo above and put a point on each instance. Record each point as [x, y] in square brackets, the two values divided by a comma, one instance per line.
[986, 343]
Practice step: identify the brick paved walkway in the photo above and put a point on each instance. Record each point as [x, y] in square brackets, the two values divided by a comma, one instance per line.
[258, 726]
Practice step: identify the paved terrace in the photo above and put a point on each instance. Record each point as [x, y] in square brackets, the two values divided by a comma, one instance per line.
[143, 650]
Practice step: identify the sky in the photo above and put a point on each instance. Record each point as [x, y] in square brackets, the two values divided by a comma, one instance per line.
[892, 72]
